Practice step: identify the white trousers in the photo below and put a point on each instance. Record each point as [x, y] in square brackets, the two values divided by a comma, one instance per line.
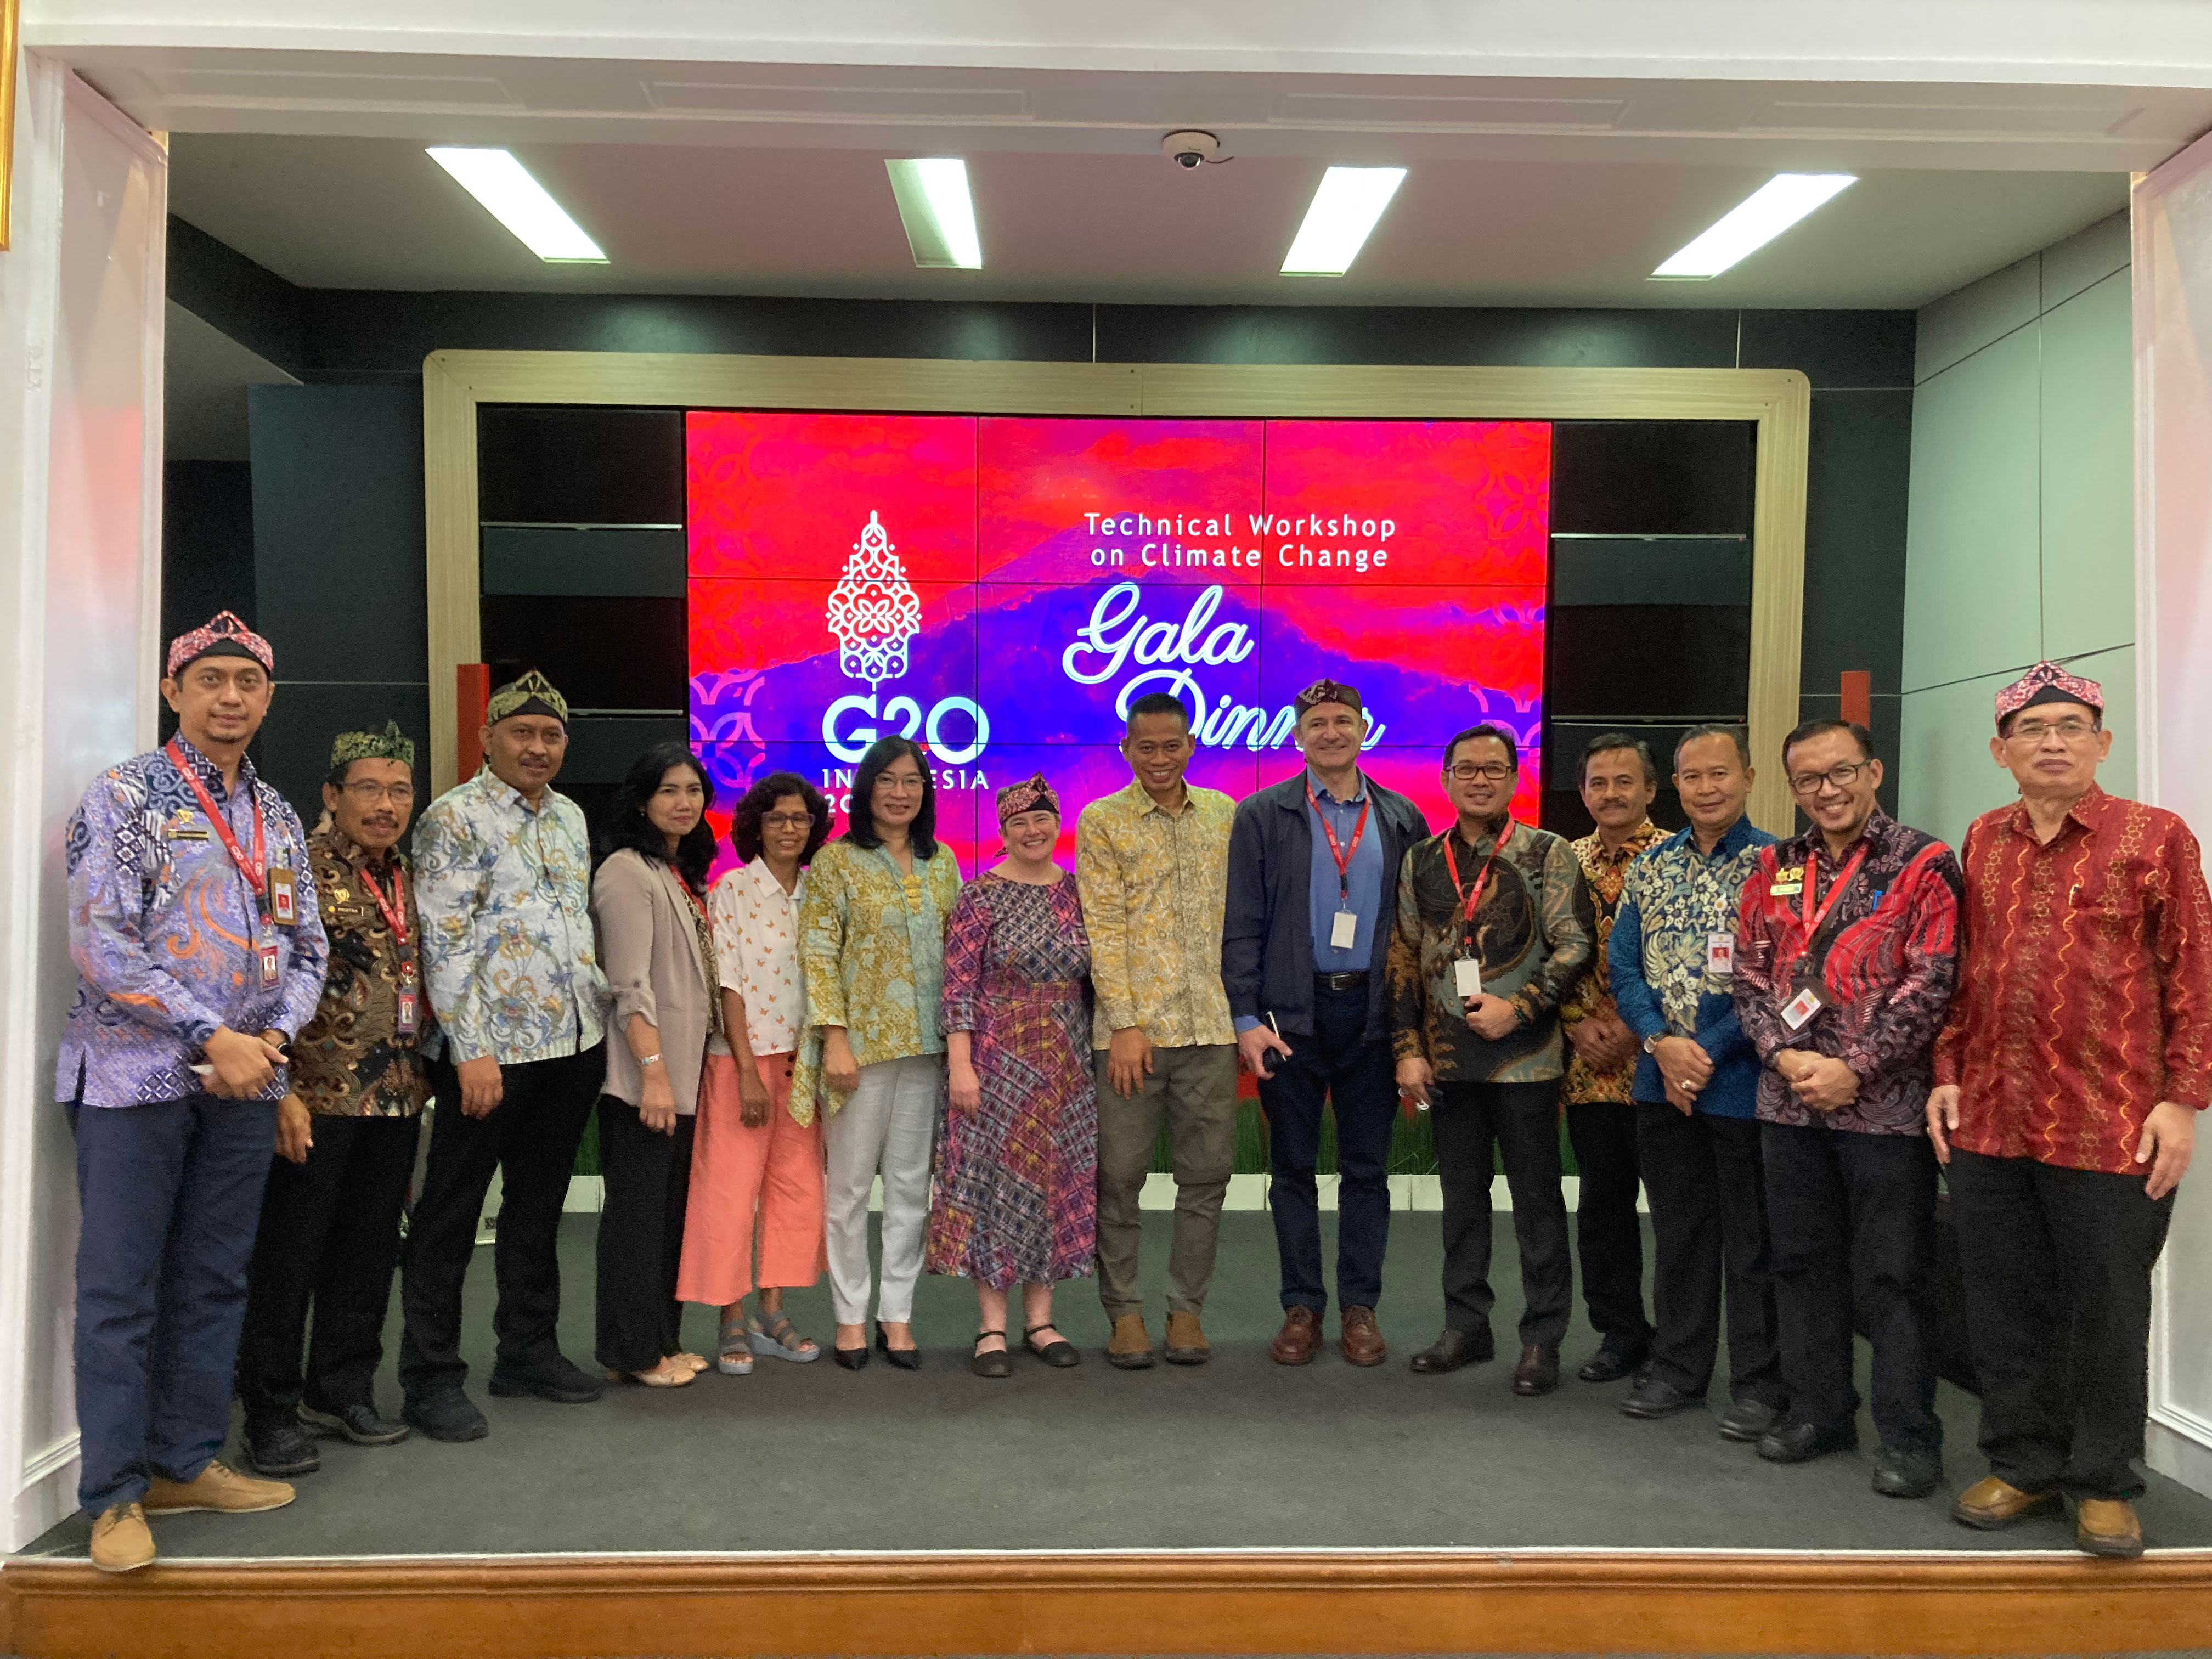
[886, 1126]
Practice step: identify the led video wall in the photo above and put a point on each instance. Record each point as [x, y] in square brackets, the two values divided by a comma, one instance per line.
[1001, 589]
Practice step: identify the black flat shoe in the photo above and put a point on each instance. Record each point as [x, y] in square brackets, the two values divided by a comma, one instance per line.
[852, 1359]
[1747, 1420]
[1800, 1443]
[1060, 1353]
[1655, 1397]
[995, 1363]
[905, 1359]
[1608, 1365]
[1907, 1471]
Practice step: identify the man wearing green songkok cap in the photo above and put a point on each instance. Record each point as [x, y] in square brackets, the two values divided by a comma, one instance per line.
[508, 958]
[346, 1132]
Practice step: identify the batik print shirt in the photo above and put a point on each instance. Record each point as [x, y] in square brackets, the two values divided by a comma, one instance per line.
[507, 946]
[351, 1061]
[1605, 873]
[2085, 984]
[1886, 975]
[162, 929]
[1154, 885]
[756, 947]
[1532, 938]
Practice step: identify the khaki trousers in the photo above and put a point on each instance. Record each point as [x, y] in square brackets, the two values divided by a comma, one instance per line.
[1195, 1087]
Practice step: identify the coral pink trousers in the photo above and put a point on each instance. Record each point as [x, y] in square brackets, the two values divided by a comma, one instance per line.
[768, 1179]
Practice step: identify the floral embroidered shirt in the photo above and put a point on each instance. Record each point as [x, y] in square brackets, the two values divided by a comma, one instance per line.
[508, 951]
[1605, 873]
[756, 942]
[872, 953]
[351, 1061]
[1153, 884]
[162, 929]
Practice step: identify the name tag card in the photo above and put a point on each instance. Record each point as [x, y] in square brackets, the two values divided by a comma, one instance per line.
[1343, 930]
[283, 897]
[1467, 978]
[1798, 1011]
[268, 954]
[1720, 955]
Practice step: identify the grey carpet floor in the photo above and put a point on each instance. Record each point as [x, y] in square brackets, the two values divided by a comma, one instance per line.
[1238, 1454]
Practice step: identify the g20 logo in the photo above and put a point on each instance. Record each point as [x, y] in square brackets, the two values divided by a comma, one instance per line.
[954, 745]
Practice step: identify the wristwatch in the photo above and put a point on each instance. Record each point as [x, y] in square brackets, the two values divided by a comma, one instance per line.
[1651, 1042]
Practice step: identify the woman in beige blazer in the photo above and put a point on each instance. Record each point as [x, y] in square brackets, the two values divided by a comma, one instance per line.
[658, 950]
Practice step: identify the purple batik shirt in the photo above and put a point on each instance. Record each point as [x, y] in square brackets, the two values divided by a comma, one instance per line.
[163, 926]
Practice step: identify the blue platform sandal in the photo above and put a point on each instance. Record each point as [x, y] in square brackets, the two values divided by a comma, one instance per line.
[773, 1338]
[733, 1349]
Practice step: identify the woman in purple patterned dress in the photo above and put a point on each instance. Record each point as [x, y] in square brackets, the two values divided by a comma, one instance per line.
[1016, 1197]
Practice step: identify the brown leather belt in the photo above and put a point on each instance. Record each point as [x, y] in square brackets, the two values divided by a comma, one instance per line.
[1341, 982]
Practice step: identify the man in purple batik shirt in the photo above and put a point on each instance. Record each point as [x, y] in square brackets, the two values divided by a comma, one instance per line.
[199, 950]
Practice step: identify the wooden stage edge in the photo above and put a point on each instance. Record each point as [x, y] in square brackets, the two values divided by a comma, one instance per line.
[1184, 1602]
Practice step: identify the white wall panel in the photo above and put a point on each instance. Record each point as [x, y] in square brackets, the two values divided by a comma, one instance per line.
[2088, 472]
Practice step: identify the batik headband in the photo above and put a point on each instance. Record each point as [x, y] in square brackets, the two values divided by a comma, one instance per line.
[1033, 796]
[2048, 683]
[534, 694]
[389, 744]
[1327, 690]
[223, 636]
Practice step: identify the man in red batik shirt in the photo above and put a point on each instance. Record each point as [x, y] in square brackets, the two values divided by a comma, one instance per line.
[2077, 1055]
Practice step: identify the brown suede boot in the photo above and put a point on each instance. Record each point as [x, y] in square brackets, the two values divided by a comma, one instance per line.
[1130, 1348]
[1186, 1343]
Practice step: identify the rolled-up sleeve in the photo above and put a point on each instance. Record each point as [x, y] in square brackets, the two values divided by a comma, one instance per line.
[622, 904]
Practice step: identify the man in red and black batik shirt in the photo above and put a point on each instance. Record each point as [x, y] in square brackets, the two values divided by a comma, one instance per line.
[1846, 957]
[2077, 1054]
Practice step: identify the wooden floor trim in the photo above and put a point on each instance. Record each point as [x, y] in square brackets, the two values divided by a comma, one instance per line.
[527, 1608]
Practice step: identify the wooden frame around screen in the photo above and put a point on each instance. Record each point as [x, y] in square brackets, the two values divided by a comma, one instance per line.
[1779, 402]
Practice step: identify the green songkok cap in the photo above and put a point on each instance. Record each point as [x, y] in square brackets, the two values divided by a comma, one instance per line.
[389, 744]
[534, 694]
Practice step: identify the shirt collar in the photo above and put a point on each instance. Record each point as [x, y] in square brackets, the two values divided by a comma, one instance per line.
[209, 773]
[1359, 794]
[1813, 844]
[764, 882]
[1639, 839]
[1141, 802]
[2087, 811]
[349, 851]
[499, 790]
[1737, 838]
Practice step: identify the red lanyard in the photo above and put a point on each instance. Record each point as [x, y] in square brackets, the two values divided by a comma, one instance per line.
[1805, 910]
[1342, 855]
[255, 869]
[1482, 881]
[395, 908]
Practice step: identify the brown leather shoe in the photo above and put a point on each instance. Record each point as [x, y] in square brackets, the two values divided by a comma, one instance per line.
[1130, 1348]
[1360, 1340]
[1299, 1339]
[2107, 1526]
[121, 1540]
[1990, 1504]
[1186, 1344]
[1538, 1371]
[218, 1486]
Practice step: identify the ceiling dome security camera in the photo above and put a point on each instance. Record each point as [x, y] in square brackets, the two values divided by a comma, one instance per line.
[1192, 150]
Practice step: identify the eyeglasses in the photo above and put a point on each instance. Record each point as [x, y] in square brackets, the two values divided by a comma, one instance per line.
[1469, 771]
[2066, 730]
[1809, 783]
[899, 782]
[366, 792]
[788, 821]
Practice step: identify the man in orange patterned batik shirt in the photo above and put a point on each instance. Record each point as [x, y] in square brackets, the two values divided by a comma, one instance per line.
[2077, 1055]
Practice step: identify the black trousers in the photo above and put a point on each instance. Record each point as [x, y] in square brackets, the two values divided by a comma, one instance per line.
[1846, 1210]
[1609, 1233]
[1522, 1120]
[2058, 1265]
[329, 1238]
[531, 1139]
[1709, 1229]
[649, 1180]
[1338, 1065]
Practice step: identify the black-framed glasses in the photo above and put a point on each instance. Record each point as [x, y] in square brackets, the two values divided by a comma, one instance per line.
[1469, 771]
[787, 820]
[1808, 783]
[366, 791]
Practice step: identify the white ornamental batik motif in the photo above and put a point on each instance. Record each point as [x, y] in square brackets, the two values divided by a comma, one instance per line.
[873, 610]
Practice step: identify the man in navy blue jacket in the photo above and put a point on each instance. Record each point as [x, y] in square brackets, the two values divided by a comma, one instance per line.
[1672, 958]
[1313, 883]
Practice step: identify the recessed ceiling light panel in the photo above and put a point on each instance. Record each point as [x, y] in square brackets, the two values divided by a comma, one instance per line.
[1343, 211]
[1760, 218]
[938, 213]
[518, 201]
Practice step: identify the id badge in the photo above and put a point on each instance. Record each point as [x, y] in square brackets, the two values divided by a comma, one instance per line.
[1467, 978]
[269, 968]
[1720, 955]
[1798, 1011]
[407, 1011]
[283, 897]
[1343, 930]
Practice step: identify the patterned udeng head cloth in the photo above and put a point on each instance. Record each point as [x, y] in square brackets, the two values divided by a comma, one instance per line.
[2047, 683]
[534, 694]
[1327, 690]
[1032, 795]
[224, 635]
[389, 744]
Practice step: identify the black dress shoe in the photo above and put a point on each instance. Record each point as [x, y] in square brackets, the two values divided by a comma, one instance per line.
[994, 1362]
[904, 1360]
[851, 1360]
[554, 1379]
[275, 1445]
[1538, 1372]
[1058, 1353]
[1907, 1471]
[1608, 1365]
[1655, 1397]
[1800, 1443]
[362, 1424]
[447, 1415]
[1455, 1349]
[1748, 1420]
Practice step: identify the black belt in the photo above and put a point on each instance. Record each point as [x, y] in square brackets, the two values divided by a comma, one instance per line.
[1341, 981]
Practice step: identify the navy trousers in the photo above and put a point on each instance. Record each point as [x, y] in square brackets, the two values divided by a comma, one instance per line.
[1338, 1065]
[171, 1195]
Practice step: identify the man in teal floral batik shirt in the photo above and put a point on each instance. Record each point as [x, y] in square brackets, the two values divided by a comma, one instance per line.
[503, 881]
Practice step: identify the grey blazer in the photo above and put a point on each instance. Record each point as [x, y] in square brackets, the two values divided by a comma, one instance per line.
[649, 947]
